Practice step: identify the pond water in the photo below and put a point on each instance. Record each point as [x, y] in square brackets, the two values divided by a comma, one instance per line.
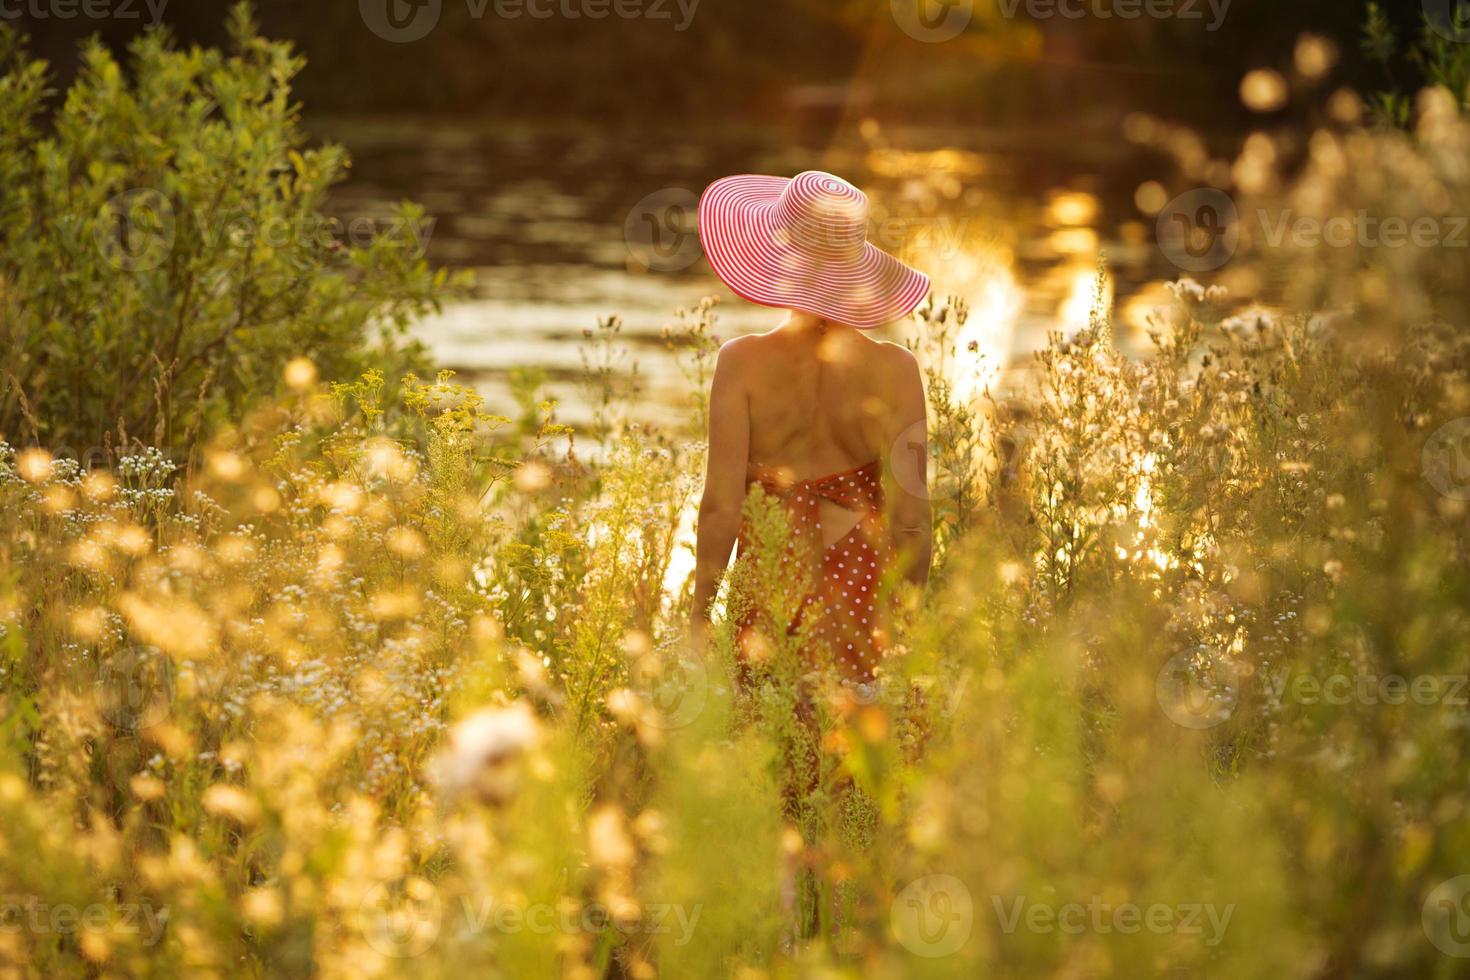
[563, 226]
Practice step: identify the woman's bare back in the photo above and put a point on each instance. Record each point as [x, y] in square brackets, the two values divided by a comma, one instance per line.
[823, 398]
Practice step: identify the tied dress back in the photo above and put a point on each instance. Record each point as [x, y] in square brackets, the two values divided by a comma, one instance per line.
[840, 616]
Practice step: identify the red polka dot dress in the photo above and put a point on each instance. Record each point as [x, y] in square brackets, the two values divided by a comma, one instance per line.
[841, 614]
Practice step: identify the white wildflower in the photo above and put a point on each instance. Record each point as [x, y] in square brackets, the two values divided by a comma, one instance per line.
[482, 750]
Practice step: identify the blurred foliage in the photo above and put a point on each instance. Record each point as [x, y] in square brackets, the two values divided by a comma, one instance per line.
[164, 250]
[1434, 59]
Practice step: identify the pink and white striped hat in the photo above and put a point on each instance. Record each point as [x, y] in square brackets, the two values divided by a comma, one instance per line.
[802, 244]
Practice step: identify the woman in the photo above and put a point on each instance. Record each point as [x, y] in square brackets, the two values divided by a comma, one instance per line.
[813, 410]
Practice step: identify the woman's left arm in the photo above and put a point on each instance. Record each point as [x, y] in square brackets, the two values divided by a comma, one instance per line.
[724, 481]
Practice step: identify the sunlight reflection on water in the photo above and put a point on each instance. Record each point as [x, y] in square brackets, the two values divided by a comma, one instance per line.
[546, 242]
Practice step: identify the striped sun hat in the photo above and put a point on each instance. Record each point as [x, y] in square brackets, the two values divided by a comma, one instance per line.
[802, 244]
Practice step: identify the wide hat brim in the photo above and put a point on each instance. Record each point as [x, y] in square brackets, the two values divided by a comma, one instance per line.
[747, 251]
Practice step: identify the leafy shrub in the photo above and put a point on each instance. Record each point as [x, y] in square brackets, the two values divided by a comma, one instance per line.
[165, 252]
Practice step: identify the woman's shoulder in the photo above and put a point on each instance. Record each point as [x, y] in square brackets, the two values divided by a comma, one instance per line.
[738, 350]
[738, 360]
[896, 357]
[749, 347]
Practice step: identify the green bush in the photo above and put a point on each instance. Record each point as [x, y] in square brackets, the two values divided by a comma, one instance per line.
[164, 249]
